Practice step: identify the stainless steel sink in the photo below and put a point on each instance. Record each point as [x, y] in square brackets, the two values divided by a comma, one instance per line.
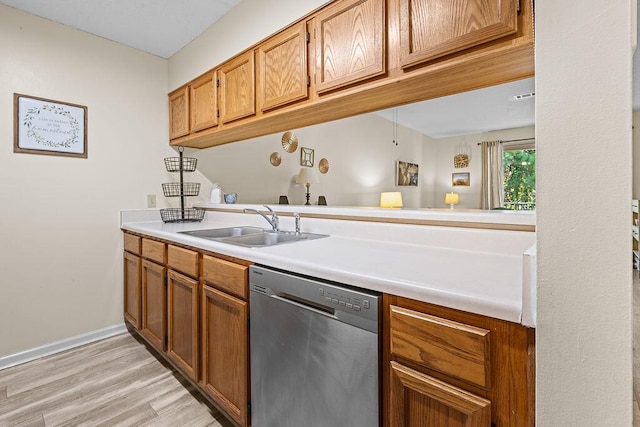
[271, 238]
[221, 233]
[251, 236]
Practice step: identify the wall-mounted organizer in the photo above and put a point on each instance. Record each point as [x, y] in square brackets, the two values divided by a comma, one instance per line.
[181, 189]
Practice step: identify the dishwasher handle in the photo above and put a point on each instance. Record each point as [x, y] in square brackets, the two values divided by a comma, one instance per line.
[304, 304]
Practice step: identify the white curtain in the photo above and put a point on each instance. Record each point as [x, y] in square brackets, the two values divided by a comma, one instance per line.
[491, 188]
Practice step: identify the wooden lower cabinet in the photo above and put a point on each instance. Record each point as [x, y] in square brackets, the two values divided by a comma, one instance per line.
[444, 367]
[225, 352]
[182, 330]
[418, 400]
[132, 289]
[154, 303]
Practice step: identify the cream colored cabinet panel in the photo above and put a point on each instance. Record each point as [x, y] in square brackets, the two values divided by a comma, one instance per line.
[431, 29]
[179, 113]
[225, 352]
[418, 400]
[237, 88]
[182, 343]
[132, 287]
[204, 102]
[283, 75]
[154, 303]
[350, 43]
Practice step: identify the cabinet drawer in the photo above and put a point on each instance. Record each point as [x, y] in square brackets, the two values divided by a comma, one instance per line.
[132, 243]
[228, 276]
[453, 348]
[183, 260]
[154, 251]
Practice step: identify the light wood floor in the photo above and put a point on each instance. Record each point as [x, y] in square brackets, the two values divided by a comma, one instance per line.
[116, 381]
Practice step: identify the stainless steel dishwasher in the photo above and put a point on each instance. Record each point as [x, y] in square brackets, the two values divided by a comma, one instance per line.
[314, 352]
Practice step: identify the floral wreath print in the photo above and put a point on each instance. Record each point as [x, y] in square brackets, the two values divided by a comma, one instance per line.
[73, 124]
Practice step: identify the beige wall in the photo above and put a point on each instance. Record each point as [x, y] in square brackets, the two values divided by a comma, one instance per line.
[61, 247]
[584, 161]
[361, 157]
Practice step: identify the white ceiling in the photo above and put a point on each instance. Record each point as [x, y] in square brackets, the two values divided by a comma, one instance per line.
[163, 27]
[160, 27]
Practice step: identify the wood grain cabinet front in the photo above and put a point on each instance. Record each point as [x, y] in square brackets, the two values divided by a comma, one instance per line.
[237, 87]
[445, 367]
[204, 102]
[350, 43]
[132, 289]
[430, 29]
[154, 304]
[283, 69]
[225, 359]
[182, 330]
[179, 112]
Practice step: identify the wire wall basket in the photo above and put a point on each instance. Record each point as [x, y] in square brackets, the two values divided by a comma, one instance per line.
[180, 164]
[182, 214]
[179, 189]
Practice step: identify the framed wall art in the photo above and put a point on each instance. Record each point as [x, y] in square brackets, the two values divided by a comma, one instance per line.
[45, 126]
[407, 173]
[460, 179]
[306, 156]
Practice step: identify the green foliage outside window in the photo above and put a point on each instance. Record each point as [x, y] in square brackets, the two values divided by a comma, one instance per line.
[519, 179]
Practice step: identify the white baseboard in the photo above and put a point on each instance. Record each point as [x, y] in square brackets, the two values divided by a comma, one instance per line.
[62, 345]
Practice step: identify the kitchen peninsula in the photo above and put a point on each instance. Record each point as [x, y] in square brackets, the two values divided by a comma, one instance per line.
[473, 285]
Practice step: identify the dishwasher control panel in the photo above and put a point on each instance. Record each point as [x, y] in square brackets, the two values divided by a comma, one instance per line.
[356, 306]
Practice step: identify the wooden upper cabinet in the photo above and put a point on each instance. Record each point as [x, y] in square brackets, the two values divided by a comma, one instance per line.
[237, 88]
[430, 29]
[179, 112]
[283, 70]
[350, 43]
[204, 102]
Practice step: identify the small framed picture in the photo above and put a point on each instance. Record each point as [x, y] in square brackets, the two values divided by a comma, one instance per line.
[306, 157]
[407, 174]
[460, 179]
[45, 126]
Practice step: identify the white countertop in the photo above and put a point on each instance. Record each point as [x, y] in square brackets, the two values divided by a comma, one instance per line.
[480, 271]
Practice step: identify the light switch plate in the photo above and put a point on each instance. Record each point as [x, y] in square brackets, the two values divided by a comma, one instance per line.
[151, 200]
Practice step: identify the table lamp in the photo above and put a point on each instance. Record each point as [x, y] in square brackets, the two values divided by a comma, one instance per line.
[391, 199]
[451, 199]
[307, 176]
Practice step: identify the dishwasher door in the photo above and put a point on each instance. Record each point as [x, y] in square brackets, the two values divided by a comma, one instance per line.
[310, 366]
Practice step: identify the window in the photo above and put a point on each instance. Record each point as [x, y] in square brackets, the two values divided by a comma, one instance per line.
[519, 179]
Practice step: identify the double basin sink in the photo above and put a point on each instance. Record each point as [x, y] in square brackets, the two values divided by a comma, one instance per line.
[251, 236]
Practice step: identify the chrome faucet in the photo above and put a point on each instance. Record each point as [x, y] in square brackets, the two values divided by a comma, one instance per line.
[296, 215]
[274, 222]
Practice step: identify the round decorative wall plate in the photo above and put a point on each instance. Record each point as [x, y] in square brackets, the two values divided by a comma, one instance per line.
[323, 166]
[289, 142]
[275, 159]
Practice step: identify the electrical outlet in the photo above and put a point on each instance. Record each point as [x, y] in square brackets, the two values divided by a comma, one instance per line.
[151, 200]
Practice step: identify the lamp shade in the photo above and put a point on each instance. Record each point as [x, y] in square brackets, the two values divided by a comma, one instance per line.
[451, 198]
[391, 199]
[307, 176]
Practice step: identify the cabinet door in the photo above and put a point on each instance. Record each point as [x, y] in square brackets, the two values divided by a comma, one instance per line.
[237, 88]
[179, 113]
[204, 102]
[418, 400]
[430, 29]
[154, 303]
[182, 331]
[350, 43]
[282, 62]
[224, 352]
[132, 284]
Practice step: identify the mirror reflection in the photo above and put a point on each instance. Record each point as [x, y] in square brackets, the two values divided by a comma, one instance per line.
[440, 137]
